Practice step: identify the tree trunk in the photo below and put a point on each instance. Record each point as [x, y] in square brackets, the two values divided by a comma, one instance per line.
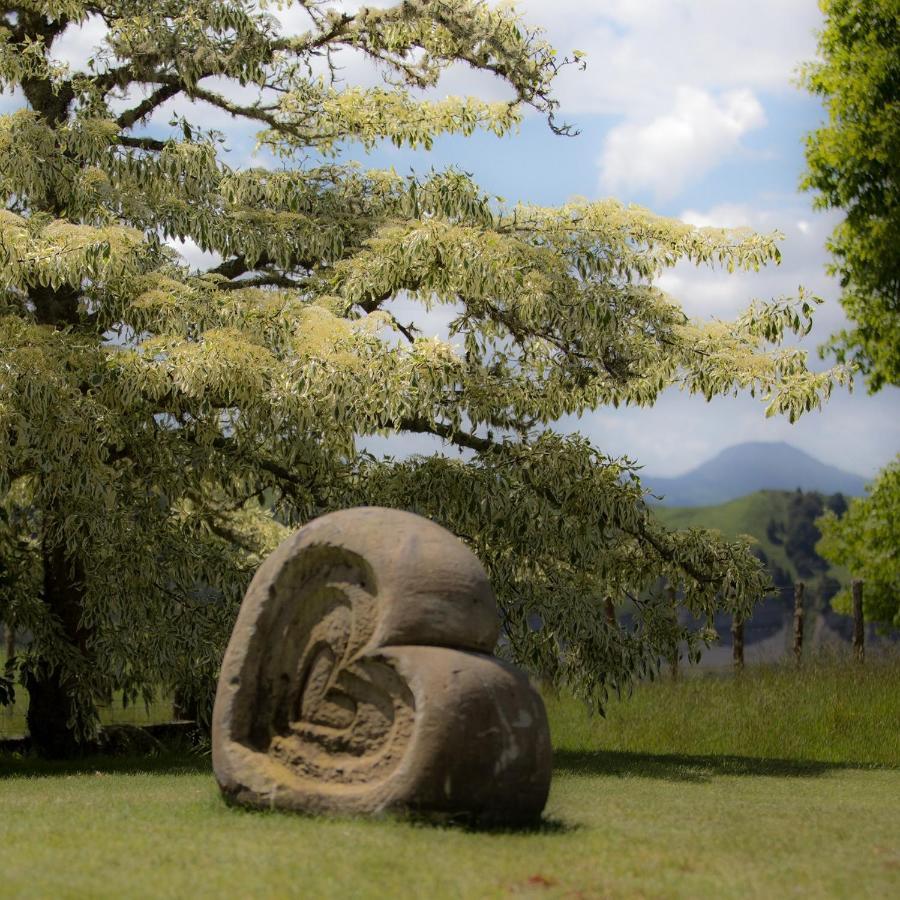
[184, 707]
[51, 709]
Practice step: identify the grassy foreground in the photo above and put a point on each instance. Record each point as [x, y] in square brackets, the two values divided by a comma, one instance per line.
[640, 807]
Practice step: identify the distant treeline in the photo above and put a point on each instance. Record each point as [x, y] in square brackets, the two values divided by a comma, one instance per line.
[797, 533]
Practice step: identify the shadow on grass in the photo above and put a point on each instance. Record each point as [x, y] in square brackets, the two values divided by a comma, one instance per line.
[418, 819]
[166, 762]
[169, 749]
[181, 761]
[543, 825]
[677, 767]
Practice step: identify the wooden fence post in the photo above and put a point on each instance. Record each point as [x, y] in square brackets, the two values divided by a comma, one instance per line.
[859, 634]
[799, 591]
[737, 642]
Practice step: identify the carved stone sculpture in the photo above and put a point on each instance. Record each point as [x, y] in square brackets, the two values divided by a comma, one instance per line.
[359, 678]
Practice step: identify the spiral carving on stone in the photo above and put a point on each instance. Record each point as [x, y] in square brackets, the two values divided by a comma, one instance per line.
[360, 678]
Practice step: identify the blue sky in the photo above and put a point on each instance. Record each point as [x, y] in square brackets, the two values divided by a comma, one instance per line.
[691, 109]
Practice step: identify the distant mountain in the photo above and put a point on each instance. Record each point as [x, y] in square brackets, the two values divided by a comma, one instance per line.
[746, 468]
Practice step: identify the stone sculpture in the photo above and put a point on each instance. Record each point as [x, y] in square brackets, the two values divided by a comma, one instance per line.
[360, 678]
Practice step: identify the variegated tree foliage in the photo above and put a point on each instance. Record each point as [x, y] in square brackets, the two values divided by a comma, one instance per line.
[163, 428]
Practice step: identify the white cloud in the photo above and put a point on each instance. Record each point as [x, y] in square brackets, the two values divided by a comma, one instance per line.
[193, 255]
[687, 79]
[638, 49]
[706, 292]
[729, 215]
[11, 101]
[674, 148]
[78, 42]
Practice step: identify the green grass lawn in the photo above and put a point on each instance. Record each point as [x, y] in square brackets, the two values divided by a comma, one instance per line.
[709, 787]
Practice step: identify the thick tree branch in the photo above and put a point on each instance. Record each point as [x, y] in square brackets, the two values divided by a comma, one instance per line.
[282, 473]
[149, 104]
[258, 113]
[236, 266]
[141, 143]
[268, 280]
[408, 331]
[311, 42]
[448, 433]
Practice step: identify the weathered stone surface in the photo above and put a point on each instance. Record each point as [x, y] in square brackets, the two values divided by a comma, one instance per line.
[359, 679]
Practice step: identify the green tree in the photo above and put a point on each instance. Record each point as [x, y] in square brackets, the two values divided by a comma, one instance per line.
[854, 165]
[163, 427]
[866, 539]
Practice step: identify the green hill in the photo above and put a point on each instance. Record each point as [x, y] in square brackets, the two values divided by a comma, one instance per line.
[781, 524]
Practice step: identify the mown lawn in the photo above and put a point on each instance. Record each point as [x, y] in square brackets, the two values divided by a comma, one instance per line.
[637, 809]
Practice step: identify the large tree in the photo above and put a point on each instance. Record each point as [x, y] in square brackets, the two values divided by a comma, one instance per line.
[163, 427]
[854, 166]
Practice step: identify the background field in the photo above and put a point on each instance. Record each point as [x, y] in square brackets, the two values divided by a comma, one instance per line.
[777, 783]
[12, 717]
